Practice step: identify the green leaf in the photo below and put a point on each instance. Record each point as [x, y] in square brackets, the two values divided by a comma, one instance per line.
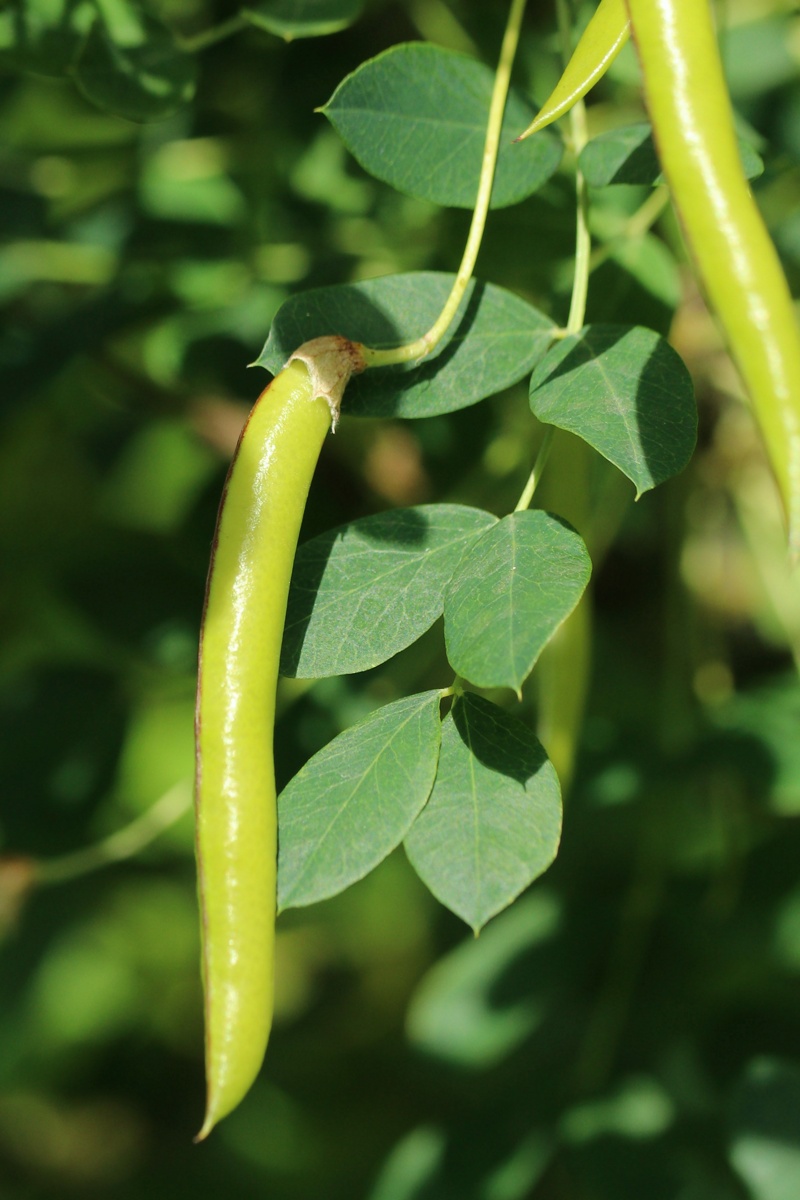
[626, 392]
[462, 1013]
[493, 343]
[131, 66]
[365, 591]
[432, 1163]
[765, 1149]
[413, 1169]
[354, 801]
[647, 260]
[765, 719]
[515, 586]
[628, 155]
[186, 181]
[760, 55]
[493, 821]
[303, 18]
[416, 117]
[43, 35]
[157, 477]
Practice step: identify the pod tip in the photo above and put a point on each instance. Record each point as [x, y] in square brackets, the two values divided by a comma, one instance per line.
[208, 1124]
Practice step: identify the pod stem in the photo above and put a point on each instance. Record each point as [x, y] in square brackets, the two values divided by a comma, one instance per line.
[423, 346]
[331, 362]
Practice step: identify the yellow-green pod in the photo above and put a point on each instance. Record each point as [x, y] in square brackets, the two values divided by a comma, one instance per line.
[602, 40]
[692, 120]
[245, 608]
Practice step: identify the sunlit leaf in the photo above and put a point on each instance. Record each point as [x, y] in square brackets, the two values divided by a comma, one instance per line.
[626, 392]
[43, 35]
[515, 586]
[759, 53]
[765, 1149]
[493, 822]
[134, 68]
[354, 801]
[765, 719]
[364, 591]
[456, 1013]
[640, 1108]
[647, 260]
[628, 155]
[416, 116]
[303, 18]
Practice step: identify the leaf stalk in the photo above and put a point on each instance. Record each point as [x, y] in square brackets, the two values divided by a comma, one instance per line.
[425, 345]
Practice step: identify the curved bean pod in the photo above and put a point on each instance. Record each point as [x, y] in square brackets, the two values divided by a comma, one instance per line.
[248, 583]
[737, 263]
[601, 42]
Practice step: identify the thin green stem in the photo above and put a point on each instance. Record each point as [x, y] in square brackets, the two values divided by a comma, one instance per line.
[456, 689]
[194, 43]
[646, 216]
[636, 226]
[538, 469]
[583, 250]
[125, 843]
[413, 351]
[578, 138]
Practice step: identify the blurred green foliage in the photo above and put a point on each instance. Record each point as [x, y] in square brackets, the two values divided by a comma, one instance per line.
[631, 1027]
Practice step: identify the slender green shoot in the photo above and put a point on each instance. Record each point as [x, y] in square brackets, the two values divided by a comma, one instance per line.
[125, 843]
[583, 254]
[578, 138]
[416, 350]
[194, 43]
[635, 227]
[538, 469]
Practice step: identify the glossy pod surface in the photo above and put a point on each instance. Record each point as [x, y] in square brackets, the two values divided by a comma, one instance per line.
[688, 102]
[254, 546]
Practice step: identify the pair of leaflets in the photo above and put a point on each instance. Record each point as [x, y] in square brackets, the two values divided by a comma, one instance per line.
[476, 784]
